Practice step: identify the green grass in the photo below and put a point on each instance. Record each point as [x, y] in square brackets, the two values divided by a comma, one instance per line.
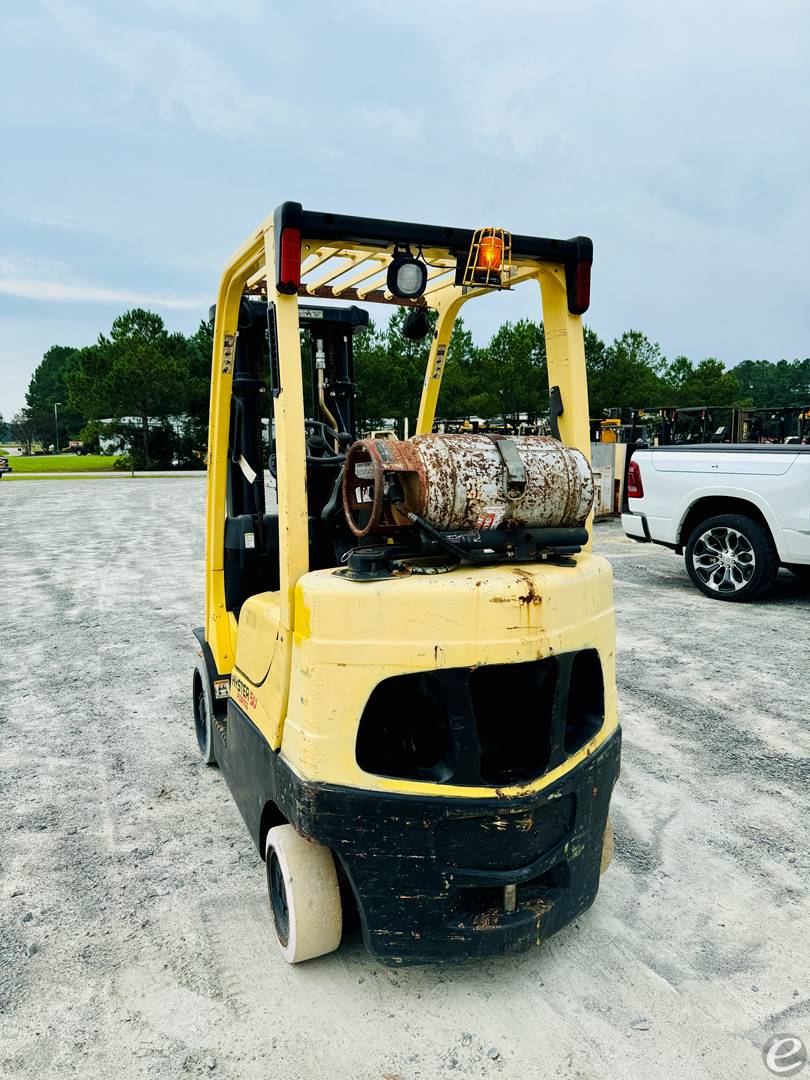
[19, 478]
[47, 463]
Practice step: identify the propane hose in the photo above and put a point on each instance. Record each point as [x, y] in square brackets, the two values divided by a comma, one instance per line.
[448, 545]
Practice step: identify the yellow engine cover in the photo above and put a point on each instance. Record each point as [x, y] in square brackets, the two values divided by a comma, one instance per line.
[349, 636]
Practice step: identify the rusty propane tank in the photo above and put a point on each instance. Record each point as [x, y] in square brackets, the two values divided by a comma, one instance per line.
[466, 482]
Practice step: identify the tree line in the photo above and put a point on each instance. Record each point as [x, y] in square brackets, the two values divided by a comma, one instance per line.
[139, 386]
[147, 389]
[509, 376]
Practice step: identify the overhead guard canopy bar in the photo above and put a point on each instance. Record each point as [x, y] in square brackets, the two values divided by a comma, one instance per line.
[346, 230]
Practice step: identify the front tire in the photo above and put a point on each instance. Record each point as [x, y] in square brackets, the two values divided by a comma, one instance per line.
[302, 884]
[204, 713]
[731, 557]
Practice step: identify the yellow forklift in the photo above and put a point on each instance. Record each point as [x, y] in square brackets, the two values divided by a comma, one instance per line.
[406, 672]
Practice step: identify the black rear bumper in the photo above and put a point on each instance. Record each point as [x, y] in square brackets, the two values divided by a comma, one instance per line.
[428, 873]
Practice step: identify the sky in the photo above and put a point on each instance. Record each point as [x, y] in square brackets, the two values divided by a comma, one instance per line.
[143, 141]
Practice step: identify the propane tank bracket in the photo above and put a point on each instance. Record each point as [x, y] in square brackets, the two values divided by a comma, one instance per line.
[515, 469]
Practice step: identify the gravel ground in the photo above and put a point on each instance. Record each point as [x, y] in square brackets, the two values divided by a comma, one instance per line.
[134, 934]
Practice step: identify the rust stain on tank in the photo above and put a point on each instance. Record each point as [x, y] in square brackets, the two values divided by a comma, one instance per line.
[463, 480]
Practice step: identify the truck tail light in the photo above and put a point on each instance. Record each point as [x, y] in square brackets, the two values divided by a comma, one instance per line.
[635, 488]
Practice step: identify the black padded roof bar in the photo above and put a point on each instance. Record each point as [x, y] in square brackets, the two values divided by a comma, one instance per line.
[383, 233]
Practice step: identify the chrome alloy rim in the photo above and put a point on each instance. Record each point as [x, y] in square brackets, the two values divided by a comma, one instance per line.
[723, 559]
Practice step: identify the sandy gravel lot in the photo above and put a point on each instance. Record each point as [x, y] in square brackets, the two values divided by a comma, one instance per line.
[134, 934]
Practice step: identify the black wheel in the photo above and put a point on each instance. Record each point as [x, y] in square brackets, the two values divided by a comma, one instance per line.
[731, 557]
[278, 898]
[204, 714]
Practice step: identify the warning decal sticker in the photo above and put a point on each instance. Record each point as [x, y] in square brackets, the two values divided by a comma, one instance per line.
[438, 366]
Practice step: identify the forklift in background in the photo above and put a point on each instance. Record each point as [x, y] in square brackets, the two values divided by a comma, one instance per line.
[407, 668]
[775, 424]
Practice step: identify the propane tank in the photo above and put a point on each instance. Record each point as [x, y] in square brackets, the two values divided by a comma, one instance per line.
[466, 482]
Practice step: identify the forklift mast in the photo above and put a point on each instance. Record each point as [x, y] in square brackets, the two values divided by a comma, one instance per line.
[251, 549]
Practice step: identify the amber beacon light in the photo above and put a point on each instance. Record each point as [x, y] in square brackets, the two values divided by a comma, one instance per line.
[489, 259]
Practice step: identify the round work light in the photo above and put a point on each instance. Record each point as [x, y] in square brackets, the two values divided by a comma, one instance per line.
[407, 276]
[416, 326]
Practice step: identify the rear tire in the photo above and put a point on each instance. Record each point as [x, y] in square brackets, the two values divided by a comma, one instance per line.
[204, 713]
[731, 557]
[302, 884]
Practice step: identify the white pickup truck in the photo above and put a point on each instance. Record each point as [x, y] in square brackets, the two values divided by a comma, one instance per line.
[737, 512]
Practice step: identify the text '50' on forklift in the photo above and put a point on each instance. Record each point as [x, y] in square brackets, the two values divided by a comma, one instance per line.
[406, 673]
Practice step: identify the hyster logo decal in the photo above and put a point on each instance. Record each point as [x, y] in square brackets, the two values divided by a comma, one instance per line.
[243, 693]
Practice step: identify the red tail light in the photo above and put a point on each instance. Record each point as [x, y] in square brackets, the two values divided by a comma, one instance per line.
[578, 282]
[582, 287]
[289, 261]
[635, 488]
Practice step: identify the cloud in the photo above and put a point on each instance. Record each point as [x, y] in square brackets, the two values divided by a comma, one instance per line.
[68, 225]
[247, 11]
[165, 70]
[30, 280]
[397, 124]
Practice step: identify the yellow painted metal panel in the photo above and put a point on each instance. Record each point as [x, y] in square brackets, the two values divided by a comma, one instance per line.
[565, 349]
[259, 619]
[261, 679]
[244, 263]
[369, 267]
[565, 352]
[313, 258]
[336, 270]
[291, 450]
[351, 636]
[435, 364]
[377, 284]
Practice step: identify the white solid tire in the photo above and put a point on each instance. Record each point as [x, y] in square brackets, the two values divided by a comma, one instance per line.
[315, 916]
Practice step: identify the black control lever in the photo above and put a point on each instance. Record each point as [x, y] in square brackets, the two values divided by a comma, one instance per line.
[555, 411]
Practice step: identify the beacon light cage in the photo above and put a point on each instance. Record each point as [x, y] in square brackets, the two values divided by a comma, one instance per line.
[489, 261]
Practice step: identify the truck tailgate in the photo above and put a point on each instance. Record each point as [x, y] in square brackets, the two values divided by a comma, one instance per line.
[740, 462]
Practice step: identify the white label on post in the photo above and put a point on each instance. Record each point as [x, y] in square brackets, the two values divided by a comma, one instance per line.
[249, 474]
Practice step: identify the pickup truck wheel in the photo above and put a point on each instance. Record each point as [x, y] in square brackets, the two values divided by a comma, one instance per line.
[731, 557]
